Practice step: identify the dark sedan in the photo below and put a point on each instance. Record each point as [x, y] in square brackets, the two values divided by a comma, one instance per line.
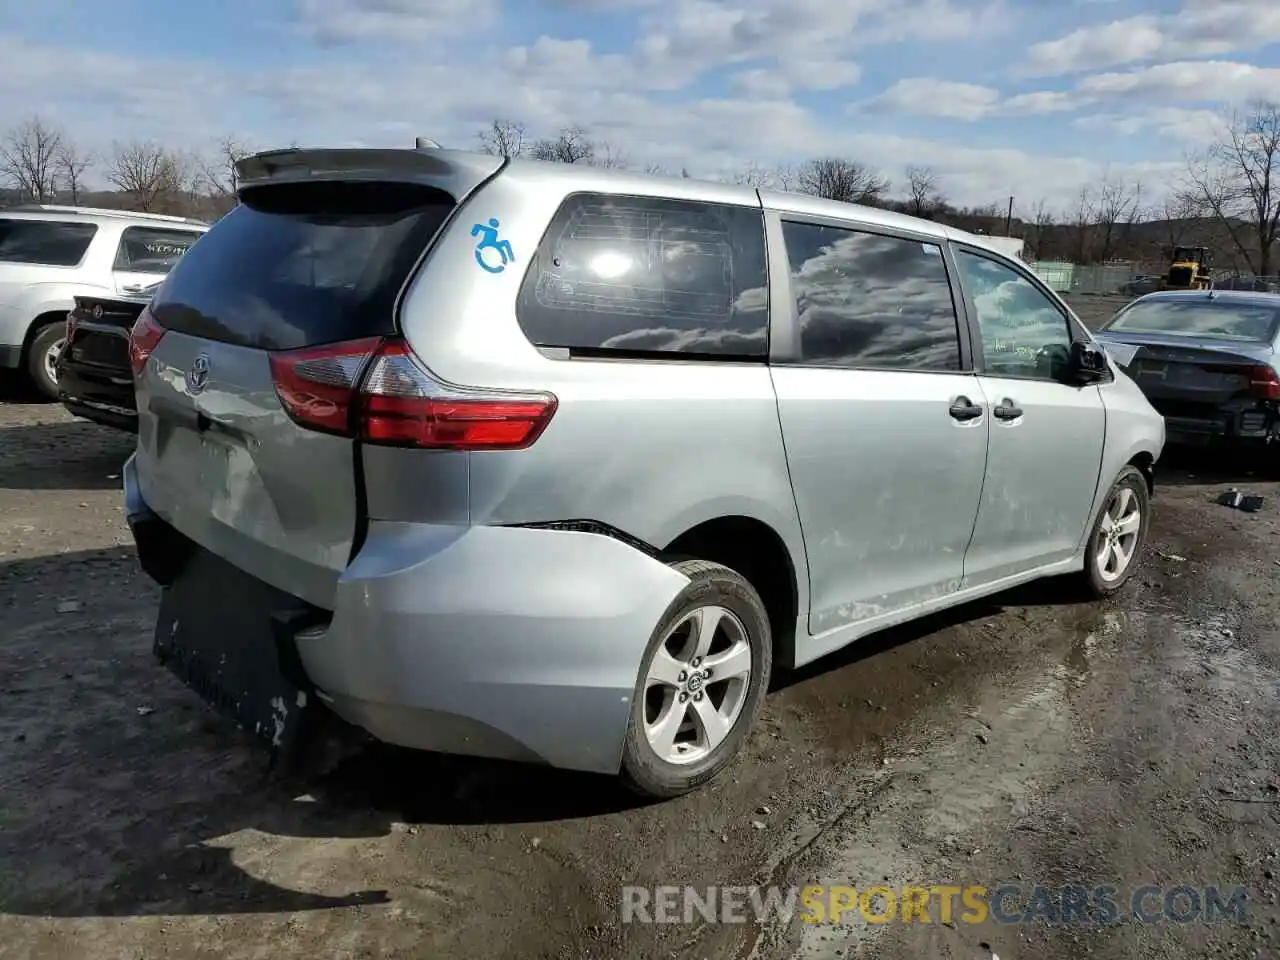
[95, 380]
[1206, 360]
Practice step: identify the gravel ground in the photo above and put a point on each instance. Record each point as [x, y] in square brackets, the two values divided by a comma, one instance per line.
[1094, 309]
[1029, 739]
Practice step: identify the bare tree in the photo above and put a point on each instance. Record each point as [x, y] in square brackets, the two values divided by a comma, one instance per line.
[609, 156]
[655, 169]
[1039, 221]
[754, 175]
[571, 145]
[924, 196]
[215, 178]
[985, 211]
[780, 177]
[835, 179]
[1181, 214]
[503, 138]
[217, 173]
[1083, 214]
[154, 179]
[1237, 180]
[785, 178]
[1115, 210]
[29, 158]
[71, 163]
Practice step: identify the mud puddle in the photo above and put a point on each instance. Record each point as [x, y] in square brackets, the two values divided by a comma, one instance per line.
[1009, 789]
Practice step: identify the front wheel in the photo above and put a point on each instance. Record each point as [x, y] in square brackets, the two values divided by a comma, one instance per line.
[1119, 534]
[42, 358]
[702, 683]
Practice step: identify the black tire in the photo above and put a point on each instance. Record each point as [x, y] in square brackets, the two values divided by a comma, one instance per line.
[40, 345]
[643, 771]
[1094, 582]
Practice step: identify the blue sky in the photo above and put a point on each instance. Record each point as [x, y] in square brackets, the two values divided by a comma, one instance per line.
[1029, 98]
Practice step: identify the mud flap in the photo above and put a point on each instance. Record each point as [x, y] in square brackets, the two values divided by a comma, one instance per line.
[162, 550]
[229, 637]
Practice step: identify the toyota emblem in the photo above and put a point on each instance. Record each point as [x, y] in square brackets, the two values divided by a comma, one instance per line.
[198, 375]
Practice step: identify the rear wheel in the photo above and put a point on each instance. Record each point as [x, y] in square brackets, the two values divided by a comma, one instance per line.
[42, 358]
[1119, 533]
[702, 683]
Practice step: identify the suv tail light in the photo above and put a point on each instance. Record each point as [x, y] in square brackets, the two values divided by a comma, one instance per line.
[1264, 383]
[375, 390]
[143, 338]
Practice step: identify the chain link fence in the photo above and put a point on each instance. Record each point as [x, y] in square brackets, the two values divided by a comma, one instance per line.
[1131, 279]
[1098, 278]
[1269, 284]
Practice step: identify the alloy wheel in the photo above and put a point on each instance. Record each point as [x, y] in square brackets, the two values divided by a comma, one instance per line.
[1118, 534]
[696, 685]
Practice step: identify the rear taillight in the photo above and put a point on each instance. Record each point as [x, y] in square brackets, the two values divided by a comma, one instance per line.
[317, 385]
[378, 391]
[1264, 383]
[143, 338]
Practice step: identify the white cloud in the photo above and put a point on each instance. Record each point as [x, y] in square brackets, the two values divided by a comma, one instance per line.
[765, 84]
[1200, 29]
[1040, 101]
[1190, 127]
[636, 95]
[814, 74]
[929, 97]
[1192, 81]
[350, 21]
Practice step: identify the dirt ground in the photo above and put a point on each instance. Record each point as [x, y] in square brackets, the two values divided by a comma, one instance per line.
[1031, 739]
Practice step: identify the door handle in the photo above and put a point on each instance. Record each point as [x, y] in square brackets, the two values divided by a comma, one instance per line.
[1007, 411]
[962, 408]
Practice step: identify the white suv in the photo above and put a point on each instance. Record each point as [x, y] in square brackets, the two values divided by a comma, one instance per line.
[49, 255]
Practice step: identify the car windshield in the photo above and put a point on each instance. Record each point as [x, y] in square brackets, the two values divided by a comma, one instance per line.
[1222, 319]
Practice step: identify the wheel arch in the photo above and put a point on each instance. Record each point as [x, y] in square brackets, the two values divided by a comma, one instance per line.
[1145, 462]
[757, 550]
[41, 321]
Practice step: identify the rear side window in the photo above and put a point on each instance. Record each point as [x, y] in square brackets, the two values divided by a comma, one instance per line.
[148, 250]
[50, 243]
[649, 276]
[866, 300]
[297, 265]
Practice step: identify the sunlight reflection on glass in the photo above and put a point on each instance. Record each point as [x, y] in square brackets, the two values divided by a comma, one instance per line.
[610, 265]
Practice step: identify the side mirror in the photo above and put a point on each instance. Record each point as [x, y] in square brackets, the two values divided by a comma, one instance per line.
[1053, 361]
[1088, 363]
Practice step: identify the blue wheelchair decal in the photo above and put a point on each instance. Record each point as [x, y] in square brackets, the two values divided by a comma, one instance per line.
[488, 234]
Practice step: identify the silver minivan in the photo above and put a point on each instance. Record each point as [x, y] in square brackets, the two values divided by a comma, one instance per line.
[557, 464]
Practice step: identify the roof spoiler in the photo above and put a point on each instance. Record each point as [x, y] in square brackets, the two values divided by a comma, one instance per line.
[455, 171]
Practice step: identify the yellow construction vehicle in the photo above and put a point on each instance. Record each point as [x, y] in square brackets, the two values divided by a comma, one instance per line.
[1189, 269]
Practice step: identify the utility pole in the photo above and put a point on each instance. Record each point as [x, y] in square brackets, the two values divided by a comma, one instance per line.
[1008, 221]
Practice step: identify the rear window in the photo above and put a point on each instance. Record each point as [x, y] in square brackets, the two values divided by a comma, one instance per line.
[647, 276]
[50, 243]
[298, 265]
[148, 250]
[1220, 319]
